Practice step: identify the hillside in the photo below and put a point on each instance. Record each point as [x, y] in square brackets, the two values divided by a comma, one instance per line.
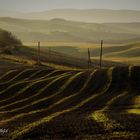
[70, 104]
[132, 48]
[14, 55]
[84, 15]
[133, 52]
[8, 42]
[128, 53]
[71, 56]
[60, 30]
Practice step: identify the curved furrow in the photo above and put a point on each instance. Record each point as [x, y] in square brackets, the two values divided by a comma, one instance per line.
[116, 108]
[9, 83]
[23, 75]
[119, 76]
[6, 77]
[65, 113]
[89, 80]
[43, 101]
[118, 113]
[69, 100]
[20, 76]
[101, 117]
[22, 102]
[38, 74]
[43, 75]
[50, 73]
[134, 105]
[12, 90]
[133, 90]
[81, 106]
[47, 73]
[70, 81]
[126, 102]
[30, 86]
[99, 101]
[72, 120]
[96, 83]
[129, 122]
[40, 123]
[6, 92]
[83, 86]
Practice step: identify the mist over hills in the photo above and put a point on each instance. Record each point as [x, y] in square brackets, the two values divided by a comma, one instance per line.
[83, 15]
[73, 25]
[70, 31]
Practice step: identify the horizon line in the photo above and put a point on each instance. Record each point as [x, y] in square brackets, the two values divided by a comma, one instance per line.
[10, 10]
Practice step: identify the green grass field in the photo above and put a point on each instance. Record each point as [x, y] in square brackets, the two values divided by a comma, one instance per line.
[40, 103]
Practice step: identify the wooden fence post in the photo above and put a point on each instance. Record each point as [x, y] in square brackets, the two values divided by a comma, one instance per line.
[39, 53]
[89, 59]
[101, 52]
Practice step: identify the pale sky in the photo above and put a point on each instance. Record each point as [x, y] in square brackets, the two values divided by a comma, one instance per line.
[41, 5]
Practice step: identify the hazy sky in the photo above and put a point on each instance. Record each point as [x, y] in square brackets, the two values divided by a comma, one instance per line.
[41, 5]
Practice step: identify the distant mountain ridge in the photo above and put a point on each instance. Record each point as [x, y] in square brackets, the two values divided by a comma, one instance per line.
[83, 15]
[71, 31]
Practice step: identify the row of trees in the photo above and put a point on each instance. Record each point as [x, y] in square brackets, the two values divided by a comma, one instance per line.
[8, 42]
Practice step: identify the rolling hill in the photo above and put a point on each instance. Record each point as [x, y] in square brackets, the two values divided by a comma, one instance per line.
[84, 15]
[60, 30]
[126, 50]
[133, 52]
[128, 53]
[13, 53]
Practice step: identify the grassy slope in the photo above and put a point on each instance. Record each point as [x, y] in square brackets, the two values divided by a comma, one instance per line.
[27, 57]
[53, 28]
[129, 53]
[133, 52]
[51, 59]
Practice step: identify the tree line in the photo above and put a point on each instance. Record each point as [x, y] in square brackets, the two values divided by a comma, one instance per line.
[9, 42]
